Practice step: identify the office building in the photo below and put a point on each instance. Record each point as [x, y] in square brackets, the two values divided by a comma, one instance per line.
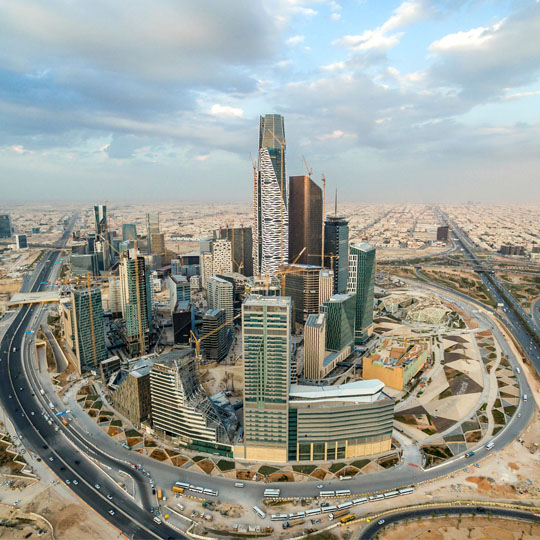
[336, 250]
[129, 390]
[326, 285]
[129, 232]
[221, 296]
[241, 239]
[136, 302]
[442, 234]
[79, 248]
[340, 310]
[5, 226]
[179, 290]
[84, 265]
[102, 234]
[84, 330]
[195, 284]
[339, 422]
[302, 285]
[181, 408]
[36, 230]
[216, 258]
[182, 322]
[395, 362]
[157, 241]
[115, 297]
[264, 286]
[271, 213]
[314, 346]
[305, 220]
[266, 328]
[90, 243]
[100, 219]
[152, 227]
[362, 283]
[21, 241]
[216, 346]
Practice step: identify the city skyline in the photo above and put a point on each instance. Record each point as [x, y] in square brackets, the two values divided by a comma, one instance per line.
[419, 100]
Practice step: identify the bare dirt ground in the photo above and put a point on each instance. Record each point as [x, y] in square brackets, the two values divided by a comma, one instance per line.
[462, 529]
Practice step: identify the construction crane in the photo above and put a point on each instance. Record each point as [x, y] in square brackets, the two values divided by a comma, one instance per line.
[309, 169]
[289, 270]
[194, 339]
[330, 256]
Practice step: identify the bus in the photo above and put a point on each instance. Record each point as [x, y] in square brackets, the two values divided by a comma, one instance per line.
[182, 485]
[177, 489]
[259, 512]
[313, 512]
[343, 492]
[159, 494]
[279, 517]
[362, 500]
[272, 492]
[390, 494]
[406, 491]
[327, 494]
[347, 504]
[327, 509]
[375, 498]
[211, 492]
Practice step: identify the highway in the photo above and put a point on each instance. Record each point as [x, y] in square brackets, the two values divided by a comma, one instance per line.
[453, 509]
[69, 457]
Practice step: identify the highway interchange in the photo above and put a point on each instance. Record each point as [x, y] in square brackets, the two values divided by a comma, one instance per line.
[74, 456]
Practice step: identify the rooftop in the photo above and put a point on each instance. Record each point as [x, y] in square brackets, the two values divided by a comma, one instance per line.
[354, 389]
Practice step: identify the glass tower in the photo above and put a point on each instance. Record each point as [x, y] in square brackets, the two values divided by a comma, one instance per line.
[271, 215]
[336, 250]
[362, 282]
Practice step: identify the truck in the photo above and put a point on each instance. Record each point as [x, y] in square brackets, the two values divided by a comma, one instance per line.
[339, 513]
[159, 494]
[208, 505]
[293, 522]
[64, 421]
[347, 518]
[177, 489]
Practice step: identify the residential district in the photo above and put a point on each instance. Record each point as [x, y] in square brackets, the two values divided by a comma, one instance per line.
[300, 366]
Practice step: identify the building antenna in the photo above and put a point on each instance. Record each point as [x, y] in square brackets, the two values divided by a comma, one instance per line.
[335, 204]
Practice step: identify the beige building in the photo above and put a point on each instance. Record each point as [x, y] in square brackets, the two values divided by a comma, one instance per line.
[326, 285]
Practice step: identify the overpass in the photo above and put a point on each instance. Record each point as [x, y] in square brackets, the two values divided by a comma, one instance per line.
[29, 298]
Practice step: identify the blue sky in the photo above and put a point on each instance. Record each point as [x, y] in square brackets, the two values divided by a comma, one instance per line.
[419, 100]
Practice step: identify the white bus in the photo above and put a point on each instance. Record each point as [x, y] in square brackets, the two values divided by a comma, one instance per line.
[327, 509]
[313, 512]
[374, 498]
[343, 492]
[182, 485]
[211, 492]
[347, 504]
[362, 500]
[390, 494]
[272, 492]
[279, 517]
[259, 512]
[327, 494]
[406, 491]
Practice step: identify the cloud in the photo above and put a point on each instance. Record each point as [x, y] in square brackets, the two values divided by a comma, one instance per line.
[295, 40]
[226, 111]
[335, 17]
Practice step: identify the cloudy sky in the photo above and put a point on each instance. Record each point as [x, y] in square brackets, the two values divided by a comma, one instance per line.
[419, 100]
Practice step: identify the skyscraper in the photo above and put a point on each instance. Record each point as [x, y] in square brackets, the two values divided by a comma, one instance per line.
[136, 302]
[362, 282]
[271, 214]
[129, 232]
[336, 250]
[85, 332]
[302, 285]
[215, 346]
[5, 226]
[102, 233]
[266, 328]
[221, 296]
[305, 220]
[152, 226]
[241, 239]
[21, 241]
[340, 311]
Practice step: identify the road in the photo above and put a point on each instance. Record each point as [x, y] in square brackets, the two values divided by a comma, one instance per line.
[453, 509]
[536, 314]
[69, 457]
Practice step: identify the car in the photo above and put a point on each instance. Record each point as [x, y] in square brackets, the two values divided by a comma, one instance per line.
[32, 413]
[68, 482]
[111, 512]
[380, 522]
[23, 451]
[519, 415]
[320, 486]
[97, 486]
[21, 388]
[51, 459]
[109, 496]
[10, 396]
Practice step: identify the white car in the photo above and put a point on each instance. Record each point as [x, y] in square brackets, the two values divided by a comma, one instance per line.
[97, 486]
[76, 482]
[380, 522]
[111, 512]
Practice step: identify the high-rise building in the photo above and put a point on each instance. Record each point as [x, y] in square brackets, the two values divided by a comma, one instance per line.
[157, 241]
[179, 290]
[136, 302]
[314, 346]
[362, 283]
[84, 329]
[129, 232]
[266, 328]
[182, 322]
[271, 214]
[181, 408]
[152, 226]
[326, 285]
[216, 258]
[241, 239]
[340, 312]
[305, 220]
[21, 241]
[5, 226]
[302, 285]
[442, 233]
[115, 297]
[84, 265]
[216, 346]
[102, 234]
[220, 294]
[336, 250]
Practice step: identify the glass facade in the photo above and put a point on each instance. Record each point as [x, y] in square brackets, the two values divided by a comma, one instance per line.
[340, 311]
[336, 250]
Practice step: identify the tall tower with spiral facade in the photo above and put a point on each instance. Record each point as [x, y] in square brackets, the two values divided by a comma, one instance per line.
[271, 227]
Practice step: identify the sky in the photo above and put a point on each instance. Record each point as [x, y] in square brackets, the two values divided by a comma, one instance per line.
[415, 100]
